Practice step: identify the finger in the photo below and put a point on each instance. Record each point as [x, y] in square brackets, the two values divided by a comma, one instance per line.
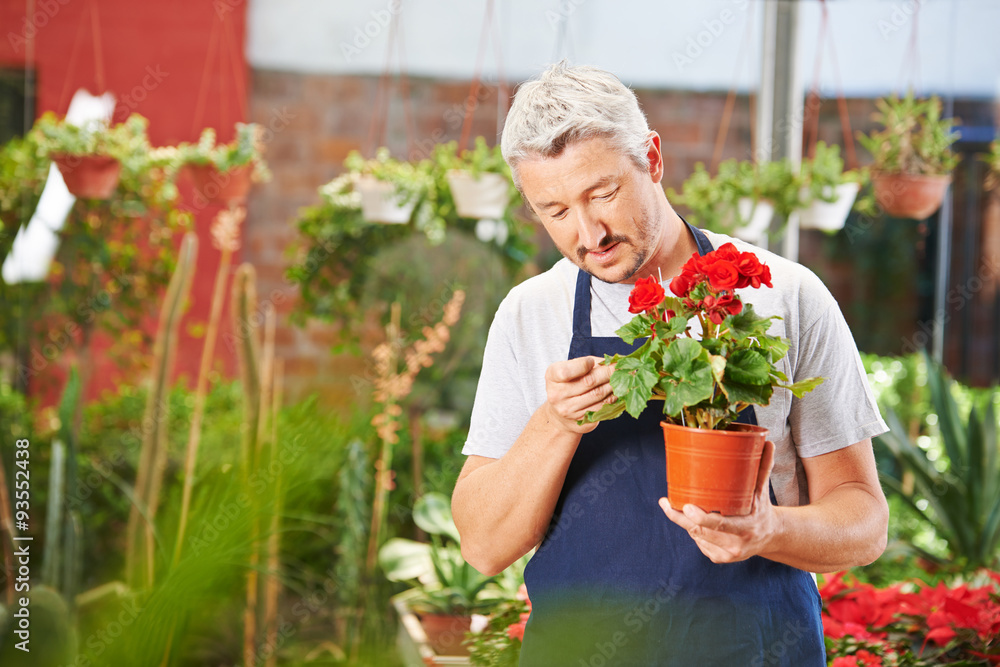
[591, 400]
[764, 471]
[571, 369]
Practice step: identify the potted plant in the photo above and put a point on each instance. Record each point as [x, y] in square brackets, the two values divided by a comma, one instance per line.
[480, 183]
[742, 198]
[913, 156]
[224, 172]
[704, 382]
[90, 157]
[446, 591]
[828, 192]
[389, 189]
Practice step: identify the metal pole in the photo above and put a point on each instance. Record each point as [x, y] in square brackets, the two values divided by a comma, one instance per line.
[780, 108]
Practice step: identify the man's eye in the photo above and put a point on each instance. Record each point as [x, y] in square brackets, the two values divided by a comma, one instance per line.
[605, 197]
[560, 214]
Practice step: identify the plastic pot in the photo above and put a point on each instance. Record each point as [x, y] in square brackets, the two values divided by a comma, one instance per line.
[380, 203]
[908, 195]
[755, 217]
[830, 216]
[89, 176]
[485, 196]
[713, 470]
[446, 632]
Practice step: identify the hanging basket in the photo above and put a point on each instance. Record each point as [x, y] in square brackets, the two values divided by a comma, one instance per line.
[89, 176]
[482, 197]
[755, 217]
[830, 215]
[713, 470]
[213, 186]
[380, 203]
[908, 195]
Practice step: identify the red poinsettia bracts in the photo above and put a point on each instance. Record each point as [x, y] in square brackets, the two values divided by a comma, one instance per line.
[931, 620]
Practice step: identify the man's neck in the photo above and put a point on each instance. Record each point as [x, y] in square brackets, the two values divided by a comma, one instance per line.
[676, 245]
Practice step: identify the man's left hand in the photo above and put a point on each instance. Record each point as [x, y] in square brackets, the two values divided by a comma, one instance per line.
[730, 539]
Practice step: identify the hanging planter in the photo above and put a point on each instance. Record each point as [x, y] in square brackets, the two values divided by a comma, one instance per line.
[913, 156]
[910, 195]
[225, 187]
[741, 199]
[482, 197]
[713, 470]
[830, 215]
[89, 176]
[223, 173]
[90, 157]
[381, 203]
[479, 179]
[754, 219]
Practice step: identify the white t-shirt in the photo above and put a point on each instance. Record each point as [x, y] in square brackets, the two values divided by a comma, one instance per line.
[534, 325]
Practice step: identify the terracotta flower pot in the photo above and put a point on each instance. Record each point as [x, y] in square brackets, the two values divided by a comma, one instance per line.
[713, 470]
[379, 202]
[213, 186]
[485, 197]
[910, 196]
[446, 632]
[89, 176]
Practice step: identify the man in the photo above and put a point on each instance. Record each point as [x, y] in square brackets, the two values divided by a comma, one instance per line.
[619, 576]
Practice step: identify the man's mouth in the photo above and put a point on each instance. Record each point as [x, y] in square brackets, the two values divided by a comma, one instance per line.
[604, 253]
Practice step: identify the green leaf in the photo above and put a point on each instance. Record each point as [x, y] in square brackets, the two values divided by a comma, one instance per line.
[803, 387]
[748, 323]
[689, 376]
[670, 330]
[633, 382]
[758, 394]
[405, 560]
[748, 367]
[637, 327]
[432, 513]
[604, 413]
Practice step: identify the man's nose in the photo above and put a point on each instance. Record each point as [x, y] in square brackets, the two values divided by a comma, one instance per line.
[591, 230]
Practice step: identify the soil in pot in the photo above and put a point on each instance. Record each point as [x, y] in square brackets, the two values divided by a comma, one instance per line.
[446, 632]
[89, 176]
[713, 470]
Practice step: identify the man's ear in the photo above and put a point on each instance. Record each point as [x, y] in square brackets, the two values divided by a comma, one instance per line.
[655, 156]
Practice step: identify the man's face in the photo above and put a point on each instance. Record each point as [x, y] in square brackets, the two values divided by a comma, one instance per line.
[598, 206]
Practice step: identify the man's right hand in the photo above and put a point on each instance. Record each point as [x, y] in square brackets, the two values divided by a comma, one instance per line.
[576, 387]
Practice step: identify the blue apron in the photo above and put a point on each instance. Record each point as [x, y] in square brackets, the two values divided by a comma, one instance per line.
[615, 582]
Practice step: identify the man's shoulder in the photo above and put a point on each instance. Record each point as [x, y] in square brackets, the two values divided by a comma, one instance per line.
[544, 291]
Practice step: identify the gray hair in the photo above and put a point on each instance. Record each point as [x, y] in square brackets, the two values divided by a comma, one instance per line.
[570, 103]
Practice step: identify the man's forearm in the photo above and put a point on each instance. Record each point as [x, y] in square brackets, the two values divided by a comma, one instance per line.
[846, 528]
[502, 508]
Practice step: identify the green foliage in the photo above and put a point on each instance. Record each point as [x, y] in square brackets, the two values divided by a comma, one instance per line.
[493, 646]
[245, 149]
[114, 255]
[957, 491]
[53, 639]
[126, 141]
[714, 201]
[481, 159]
[447, 583]
[347, 267]
[824, 172]
[914, 139]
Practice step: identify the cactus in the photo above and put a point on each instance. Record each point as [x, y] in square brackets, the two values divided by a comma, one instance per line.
[53, 638]
[244, 305]
[153, 456]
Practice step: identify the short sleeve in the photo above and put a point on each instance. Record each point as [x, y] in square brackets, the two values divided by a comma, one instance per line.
[842, 410]
[500, 411]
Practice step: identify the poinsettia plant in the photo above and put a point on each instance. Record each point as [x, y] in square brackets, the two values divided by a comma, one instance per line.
[704, 382]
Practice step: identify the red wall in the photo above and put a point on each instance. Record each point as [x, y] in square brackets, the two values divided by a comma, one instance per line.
[156, 61]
